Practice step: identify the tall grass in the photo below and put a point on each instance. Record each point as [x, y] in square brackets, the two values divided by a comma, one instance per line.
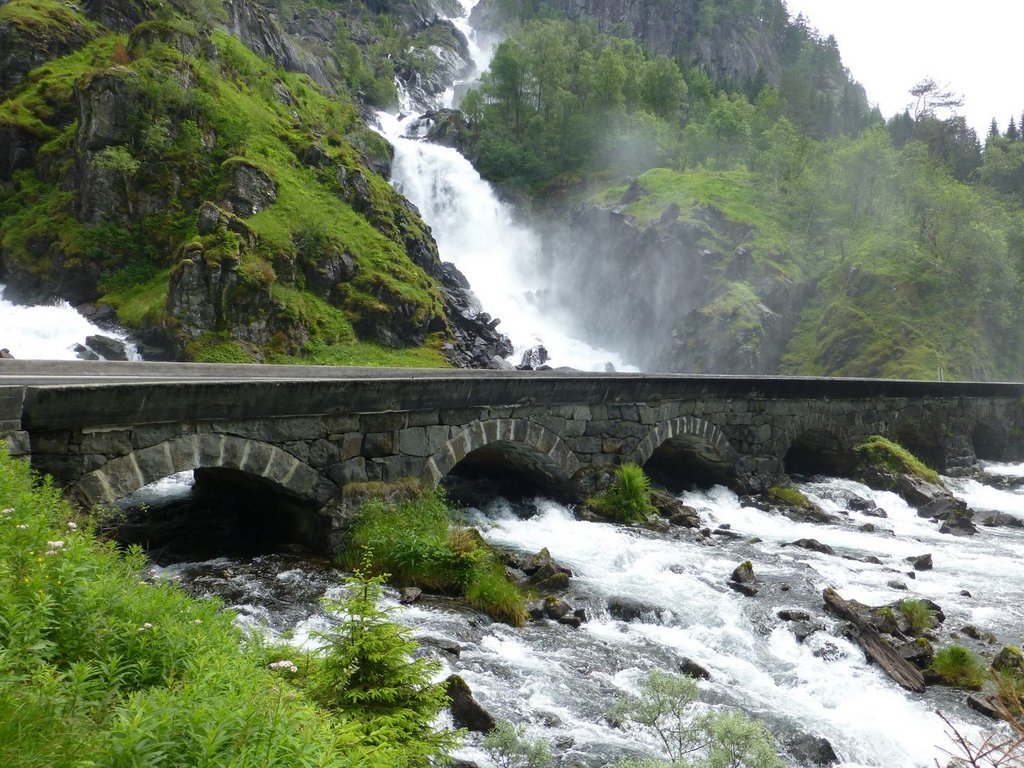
[959, 667]
[98, 667]
[878, 451]
[628, 500]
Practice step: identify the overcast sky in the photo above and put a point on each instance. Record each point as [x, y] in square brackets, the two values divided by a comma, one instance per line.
[889, 45]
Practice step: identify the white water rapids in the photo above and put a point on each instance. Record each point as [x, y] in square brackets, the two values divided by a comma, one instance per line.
[561, 682]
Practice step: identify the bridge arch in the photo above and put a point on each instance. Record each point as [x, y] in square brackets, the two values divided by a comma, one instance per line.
[517, 445]
[126, 474]
[687, 451]
[817, 445]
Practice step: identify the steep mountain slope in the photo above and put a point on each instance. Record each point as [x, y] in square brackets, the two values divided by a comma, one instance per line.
[219, 202]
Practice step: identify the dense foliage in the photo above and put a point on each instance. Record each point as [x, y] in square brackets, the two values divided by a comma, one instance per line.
[100, 668]
[628, 498]
[868, 248]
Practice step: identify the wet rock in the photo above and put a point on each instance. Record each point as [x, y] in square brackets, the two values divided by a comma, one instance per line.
[1009, 659]
[813, 545]
[874, 512]
[466, 710]
[448, 647]
[542, 563]
[630, 609]
[533, 358]
[895, 584]
[675, 511]
[106, 347]
[5, 354]
[971, 631]
[921, 562]
[984, 704]
[859, 504]
[744, 589]
[84, 353]
[793, 614]
[555, 608]
[535, 609]
[813, 750]
[555, 582]
[409, 595]
[691, 668]
[477, 343]
[1001, 519]
[581, 614]
[965, 593]
[743, 573]
[959, 523]
[918, 652]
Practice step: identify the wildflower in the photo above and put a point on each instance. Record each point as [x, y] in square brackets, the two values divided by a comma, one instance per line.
[284, 664]
[6, 511]
[72, 525]
[50, 552]
[55, 544]
[145, 626]
[197, 621]
[23, 527]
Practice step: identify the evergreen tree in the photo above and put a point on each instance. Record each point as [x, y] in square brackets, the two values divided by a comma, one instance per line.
[368, 676]
[1011, 130]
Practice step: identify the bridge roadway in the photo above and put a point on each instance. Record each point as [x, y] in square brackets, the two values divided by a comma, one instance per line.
[104, 429]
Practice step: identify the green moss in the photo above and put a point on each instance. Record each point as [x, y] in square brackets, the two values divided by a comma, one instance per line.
[879, 452]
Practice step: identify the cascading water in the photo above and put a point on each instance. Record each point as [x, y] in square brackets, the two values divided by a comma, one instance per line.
[480, 234]
[49, 332]
[561, 682]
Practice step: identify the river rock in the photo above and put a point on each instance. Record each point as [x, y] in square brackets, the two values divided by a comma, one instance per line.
[84, 353]
[1009, 659]
[533, 358]
[859, 503]
[630, 609]
[691, 668]
[675, 511]
[812, 544]
[918, 652]
[743, 573]
[107, 347]
[744, 589]
[813, 750]
[793, 614]
[984, 704]
[477, 343]
[409, 595]
[921, 562]
[874, 512]
[466, 710]
[556, 608]
[1002, 519]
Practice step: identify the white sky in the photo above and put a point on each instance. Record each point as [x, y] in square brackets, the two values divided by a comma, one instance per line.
[889, 45]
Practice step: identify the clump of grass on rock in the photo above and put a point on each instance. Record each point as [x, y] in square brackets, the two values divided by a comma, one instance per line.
[958, 667]
[628, 500]
[414, 540]
[877, 452]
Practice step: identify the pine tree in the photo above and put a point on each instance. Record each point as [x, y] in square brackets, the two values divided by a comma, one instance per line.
[1011, 130]
[368, 676]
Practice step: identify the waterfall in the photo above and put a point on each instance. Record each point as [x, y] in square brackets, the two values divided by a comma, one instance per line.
[49, 331]
[482, 235]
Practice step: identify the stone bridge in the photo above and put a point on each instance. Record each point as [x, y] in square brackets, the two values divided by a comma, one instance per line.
[104, 430]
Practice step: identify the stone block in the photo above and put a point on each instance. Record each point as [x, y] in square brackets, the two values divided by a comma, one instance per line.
[338, 423]
[299, 449]
[599, 428]
[437, 436]
[152, 434]
[574, 429]
[254, 429]
[383, 422]
[588, 445]
[350, 445]
[459, 416]
[351, 471]
[378, 444]
[300, 428]
[322, 453]
[18, 443]
[423, 418]
[400, 467]
[57, 441]
[413, 442]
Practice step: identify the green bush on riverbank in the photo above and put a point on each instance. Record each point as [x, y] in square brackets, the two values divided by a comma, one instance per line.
[100, 668]
[414, 541]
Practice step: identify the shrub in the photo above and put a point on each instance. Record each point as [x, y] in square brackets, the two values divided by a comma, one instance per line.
[628, 500]
[918, 614]
[877, 451]
[957, 666]
[413, 540]
[508, 747]
[709, 740]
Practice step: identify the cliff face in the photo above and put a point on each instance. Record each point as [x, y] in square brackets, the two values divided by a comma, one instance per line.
[220, 191]
[677, 282]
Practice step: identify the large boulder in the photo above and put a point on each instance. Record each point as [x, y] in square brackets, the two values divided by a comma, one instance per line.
[466, 710]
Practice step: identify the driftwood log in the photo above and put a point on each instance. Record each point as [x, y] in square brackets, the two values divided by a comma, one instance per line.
[879, 651]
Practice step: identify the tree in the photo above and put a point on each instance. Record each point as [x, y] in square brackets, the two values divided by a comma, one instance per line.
[367, 676]
[931, 98]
